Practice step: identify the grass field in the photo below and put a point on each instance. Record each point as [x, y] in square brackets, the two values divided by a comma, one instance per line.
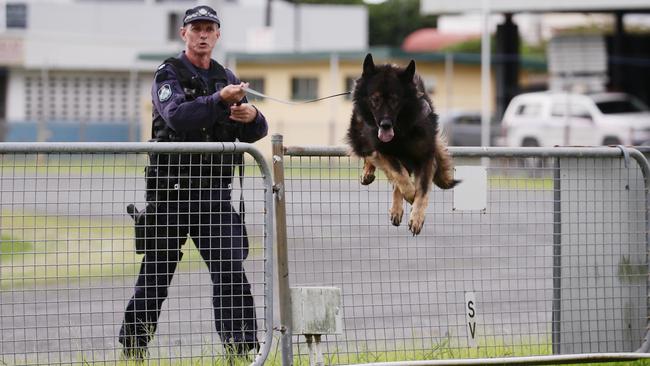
[40, 249]
[442, 351]
[117, 165]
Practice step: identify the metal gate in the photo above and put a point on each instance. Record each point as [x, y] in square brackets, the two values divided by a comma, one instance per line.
[68, 264]
[539, 256]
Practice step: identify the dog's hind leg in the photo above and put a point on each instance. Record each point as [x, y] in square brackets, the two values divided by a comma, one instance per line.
[396, 173]
[397, 208]
[423, 178]
[443, 168]
[368, 175]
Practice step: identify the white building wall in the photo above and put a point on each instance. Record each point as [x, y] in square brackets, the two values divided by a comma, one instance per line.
[3, 16]
[94, 35]
[294, 28]
[111, 35]
[338, 28]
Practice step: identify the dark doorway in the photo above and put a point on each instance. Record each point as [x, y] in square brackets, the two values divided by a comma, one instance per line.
[629, 64]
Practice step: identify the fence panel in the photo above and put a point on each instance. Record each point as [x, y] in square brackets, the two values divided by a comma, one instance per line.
[68, 264]
[553, 266]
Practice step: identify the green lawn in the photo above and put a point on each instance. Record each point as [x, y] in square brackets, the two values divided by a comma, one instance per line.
[436, 353]
[117, 165]
[73, 164]
[10, 247]
[41, 249]
[47, 249]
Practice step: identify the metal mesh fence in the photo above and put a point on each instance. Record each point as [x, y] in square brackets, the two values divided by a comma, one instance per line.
[554, 263]
[70, 289]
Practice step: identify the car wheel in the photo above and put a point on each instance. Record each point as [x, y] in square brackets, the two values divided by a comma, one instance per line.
[610, 140]
[532, 163]
[530, 142]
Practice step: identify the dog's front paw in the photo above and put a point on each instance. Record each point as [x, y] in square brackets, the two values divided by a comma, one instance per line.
[416, 221]
[396, 216]
[367, 178]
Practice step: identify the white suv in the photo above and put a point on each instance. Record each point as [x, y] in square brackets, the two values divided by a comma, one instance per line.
[553, 118]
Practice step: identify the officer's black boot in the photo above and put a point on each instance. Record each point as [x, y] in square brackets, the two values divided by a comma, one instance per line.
[134, 347]
[242, 349]
[135, 353]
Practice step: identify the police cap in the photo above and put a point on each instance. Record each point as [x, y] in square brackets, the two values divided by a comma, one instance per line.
[202, 12]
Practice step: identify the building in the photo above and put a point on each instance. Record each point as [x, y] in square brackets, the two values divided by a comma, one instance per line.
[76, 70]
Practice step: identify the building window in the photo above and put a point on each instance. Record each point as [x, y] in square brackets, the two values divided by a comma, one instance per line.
[257, 84]
[16, 16]
[174, 23]
[81, 96]
[304, 88]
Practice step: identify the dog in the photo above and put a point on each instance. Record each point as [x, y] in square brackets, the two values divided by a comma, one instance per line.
[394, 128]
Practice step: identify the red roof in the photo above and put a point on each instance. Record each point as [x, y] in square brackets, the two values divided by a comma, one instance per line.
[429, 39]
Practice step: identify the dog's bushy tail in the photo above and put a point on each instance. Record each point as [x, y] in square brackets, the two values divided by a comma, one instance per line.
[443, 176]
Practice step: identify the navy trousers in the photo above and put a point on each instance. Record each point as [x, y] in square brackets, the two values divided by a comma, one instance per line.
[220, 237]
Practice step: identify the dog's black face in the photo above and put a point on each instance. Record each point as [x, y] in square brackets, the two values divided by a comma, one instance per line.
[383, 92]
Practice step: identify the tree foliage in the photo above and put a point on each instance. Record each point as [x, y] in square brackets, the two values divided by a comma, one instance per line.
[391, 21]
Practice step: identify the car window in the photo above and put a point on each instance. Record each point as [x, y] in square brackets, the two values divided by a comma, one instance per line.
[574, 110]
[529, 109]
[628, 105]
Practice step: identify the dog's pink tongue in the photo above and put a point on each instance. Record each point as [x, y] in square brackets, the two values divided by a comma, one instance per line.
[386, 135]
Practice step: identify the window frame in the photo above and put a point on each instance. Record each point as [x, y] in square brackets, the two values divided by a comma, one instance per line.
[13, 22]
[300, 83]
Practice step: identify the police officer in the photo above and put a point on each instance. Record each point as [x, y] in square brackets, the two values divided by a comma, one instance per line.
[195, 99]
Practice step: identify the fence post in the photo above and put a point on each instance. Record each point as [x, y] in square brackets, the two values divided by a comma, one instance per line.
[282, 256]
[557, 258]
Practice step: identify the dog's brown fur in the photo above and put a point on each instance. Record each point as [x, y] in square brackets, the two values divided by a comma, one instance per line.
[395, 129]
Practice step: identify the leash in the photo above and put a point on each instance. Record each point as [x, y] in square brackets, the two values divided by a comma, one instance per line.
[242, 207]
[262, 95]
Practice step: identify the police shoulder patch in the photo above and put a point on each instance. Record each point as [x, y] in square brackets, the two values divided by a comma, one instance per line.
[164, 93]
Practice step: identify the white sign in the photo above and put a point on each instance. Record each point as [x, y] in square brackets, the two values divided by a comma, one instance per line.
[471, 319]
[471, 192]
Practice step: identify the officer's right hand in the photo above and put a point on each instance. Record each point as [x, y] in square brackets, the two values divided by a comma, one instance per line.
[233, 93]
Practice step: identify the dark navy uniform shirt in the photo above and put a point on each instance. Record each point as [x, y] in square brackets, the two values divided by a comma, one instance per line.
[193, 116]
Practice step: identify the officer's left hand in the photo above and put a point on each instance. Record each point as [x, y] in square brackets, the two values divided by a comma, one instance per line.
[243, 113]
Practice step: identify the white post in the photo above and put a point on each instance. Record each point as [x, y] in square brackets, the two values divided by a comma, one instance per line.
[334, 77]
[133, 105]
[315, 353]
[485, 75]
[485, 79]
[449, 80]
[42, 132]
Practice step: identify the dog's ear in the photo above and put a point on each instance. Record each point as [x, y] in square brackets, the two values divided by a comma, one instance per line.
[409, 72]
[368, 65]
